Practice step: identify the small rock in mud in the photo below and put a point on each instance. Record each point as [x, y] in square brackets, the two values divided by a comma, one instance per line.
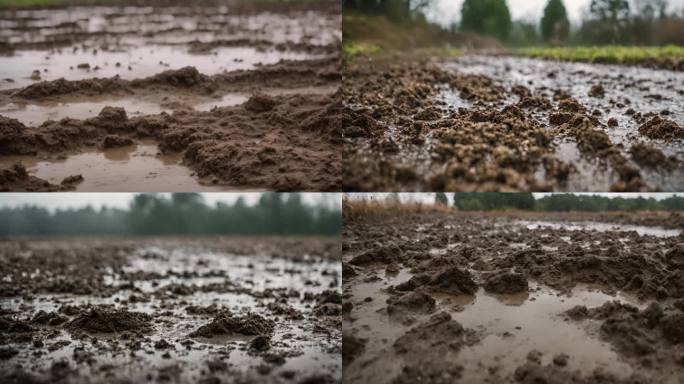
[650, 156]
[661, 129]
[83, 66]
[454, 280]
[109, 320]
[115, 141]
[260, 103]
[260, 343]
[225, 323]
[72, 180]
[613, 122]
[414, 302]
[506, 283]
[597, 91]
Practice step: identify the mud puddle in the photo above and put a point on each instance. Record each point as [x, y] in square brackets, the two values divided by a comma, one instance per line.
[37, 113]
[601, 227]
[474, 299]
[233, 99]
[120, 169]
[181, 288]
[131, 64]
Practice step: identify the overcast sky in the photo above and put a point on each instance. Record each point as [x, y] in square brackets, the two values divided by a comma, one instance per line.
[121, 200]
[447, 11]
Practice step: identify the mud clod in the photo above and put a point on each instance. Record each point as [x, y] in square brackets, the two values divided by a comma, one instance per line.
[260, 103]
[506, 283]
[109, 321]
[225, 323]
[661, 129]
[454, 280]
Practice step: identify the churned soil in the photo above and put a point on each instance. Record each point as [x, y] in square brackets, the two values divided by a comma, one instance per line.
[513, 297]
[181, 310]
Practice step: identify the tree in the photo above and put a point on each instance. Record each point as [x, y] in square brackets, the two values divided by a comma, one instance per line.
[555, 26]
[487, 17]
[441, 199]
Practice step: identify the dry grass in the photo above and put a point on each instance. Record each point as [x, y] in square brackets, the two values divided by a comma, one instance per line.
[357, 208]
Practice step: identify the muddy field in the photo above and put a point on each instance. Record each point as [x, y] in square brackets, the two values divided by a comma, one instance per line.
[498, 123]
[528, 298]
[227, 97]
[239, 310]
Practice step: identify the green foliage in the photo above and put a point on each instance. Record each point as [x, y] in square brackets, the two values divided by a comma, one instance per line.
[181, 214]
[356, 49]
[486, 17]
[523, 34]
[555, 26]
[563, 202]
[607, 54]
[441, 198]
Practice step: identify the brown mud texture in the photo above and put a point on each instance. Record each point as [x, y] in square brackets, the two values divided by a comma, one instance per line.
[278, 63]
[240, 310]
[497, 123]
[513, 298]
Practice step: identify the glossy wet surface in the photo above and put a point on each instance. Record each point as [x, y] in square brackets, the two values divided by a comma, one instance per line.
[307, 351]
[644, 90]
[506, 327]
[140, 168]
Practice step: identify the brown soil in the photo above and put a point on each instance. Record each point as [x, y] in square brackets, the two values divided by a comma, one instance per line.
[108, 321]
[226, 323]
[447, 263]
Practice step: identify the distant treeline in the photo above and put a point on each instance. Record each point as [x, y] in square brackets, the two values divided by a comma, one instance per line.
[179, 214]
[629, 22]
[562, 202]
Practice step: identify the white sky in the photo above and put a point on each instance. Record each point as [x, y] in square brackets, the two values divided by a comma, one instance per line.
[121, 200]
[446, 11]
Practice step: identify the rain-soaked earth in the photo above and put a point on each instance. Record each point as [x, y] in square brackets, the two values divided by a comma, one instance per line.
[241, 95]
[240, 310]
[483, 123]
[528, 298]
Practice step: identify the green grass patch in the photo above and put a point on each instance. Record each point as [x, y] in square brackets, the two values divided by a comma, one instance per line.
[356, 49]
[607, 54]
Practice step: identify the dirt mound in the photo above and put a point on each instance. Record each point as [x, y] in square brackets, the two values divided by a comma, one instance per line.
[506, 283]
[110, 320]
[49, 318]
[64, 87]
[18, 179]
[114, 141]
[650, 156]
[352, 347]
[184, 77]
[226, 323]
[453, 280]
[661, 129]
[260, 103]
[388, 253]
[410, 303]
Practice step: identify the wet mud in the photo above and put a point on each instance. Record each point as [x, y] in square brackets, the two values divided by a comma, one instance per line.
[497, 123]
[517, 297]
[248, 96]
[174, 310]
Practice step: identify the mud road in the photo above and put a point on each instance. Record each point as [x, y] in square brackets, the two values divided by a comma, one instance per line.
[475, 298]
[230, 97]
[174, 310]
[498, 123]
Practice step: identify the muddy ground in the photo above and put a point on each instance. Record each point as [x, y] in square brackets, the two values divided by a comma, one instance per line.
[519, 298]
[208, 310]
[237, 96]
[498, 123]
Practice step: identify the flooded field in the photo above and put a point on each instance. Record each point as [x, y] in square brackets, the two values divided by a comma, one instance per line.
[497, 298]
[508, 123]
[171, 310]
[247, 93]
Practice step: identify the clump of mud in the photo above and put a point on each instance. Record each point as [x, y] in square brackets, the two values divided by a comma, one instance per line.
[506, 283]
[108, 321]
[227, 323]
[661, 129]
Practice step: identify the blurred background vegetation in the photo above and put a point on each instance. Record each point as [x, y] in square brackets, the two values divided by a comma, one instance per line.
[488, 23]
[179, 214]
[561, 202]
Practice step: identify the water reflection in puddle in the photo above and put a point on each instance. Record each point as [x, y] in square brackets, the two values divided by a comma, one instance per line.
[601, 227]
[21, 65]
[37, 114]
[137, 168]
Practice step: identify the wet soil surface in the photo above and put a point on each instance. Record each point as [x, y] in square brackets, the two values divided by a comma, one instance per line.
[497, 123]
[246, 95]
[476, 298]
[172, 310]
